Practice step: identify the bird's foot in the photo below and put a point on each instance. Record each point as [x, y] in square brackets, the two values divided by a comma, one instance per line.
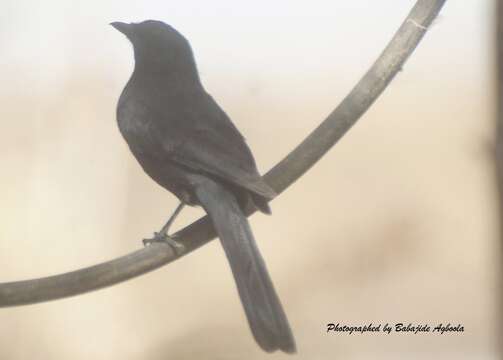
[177, 247]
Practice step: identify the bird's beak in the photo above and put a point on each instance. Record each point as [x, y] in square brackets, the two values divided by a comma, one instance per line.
[124, 28]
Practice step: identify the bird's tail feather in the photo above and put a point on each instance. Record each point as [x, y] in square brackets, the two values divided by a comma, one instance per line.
[263, 309]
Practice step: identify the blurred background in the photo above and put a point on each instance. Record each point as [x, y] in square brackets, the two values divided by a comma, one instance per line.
[398, 223]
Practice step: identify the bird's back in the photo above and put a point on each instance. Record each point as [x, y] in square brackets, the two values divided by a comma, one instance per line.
[187, 127]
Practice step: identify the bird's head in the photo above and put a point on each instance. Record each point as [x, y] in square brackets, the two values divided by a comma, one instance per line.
[158, 44]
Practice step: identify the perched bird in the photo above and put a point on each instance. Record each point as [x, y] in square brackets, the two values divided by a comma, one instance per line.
[188, 145]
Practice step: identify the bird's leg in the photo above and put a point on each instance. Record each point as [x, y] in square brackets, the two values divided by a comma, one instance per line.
[165, 229]
[163, 236]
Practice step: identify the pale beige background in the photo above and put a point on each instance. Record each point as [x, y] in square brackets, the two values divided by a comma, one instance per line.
[396, 224]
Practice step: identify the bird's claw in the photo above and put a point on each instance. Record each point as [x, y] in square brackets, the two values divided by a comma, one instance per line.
[156, 238]
[177, 247]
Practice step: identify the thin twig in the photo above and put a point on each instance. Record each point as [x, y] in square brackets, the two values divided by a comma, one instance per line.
[291, 168]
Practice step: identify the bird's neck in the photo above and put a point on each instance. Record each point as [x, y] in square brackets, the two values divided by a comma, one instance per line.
[165, 71]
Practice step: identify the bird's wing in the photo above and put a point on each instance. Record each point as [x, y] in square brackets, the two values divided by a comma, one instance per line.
[205, 154]
[212, 144]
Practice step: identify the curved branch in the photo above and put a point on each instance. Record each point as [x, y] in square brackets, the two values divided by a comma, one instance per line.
[280, 177]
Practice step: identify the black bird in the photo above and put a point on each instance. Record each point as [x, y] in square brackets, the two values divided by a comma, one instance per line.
[188, 145]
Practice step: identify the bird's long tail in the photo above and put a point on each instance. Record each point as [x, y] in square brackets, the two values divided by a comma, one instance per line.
[263, 309]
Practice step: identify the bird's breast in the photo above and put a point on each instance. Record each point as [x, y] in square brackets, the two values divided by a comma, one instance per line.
[135, 123]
